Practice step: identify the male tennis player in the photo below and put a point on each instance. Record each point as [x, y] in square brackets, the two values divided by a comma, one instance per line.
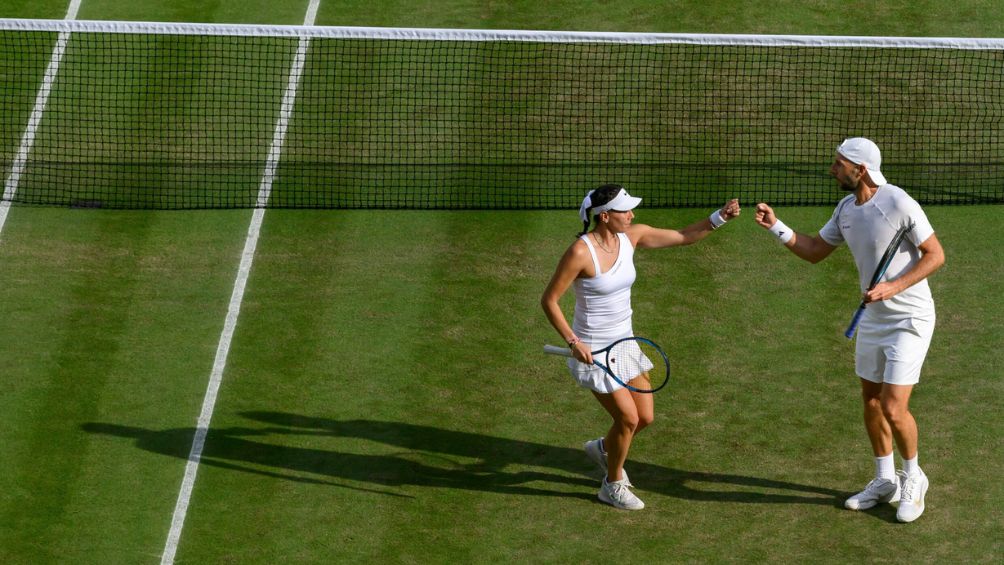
[600, 265]
[896, 328]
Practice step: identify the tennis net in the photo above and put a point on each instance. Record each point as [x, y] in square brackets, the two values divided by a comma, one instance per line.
[185, 116]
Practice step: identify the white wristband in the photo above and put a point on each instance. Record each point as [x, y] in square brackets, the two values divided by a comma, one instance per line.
[716, 219]
[782, 232]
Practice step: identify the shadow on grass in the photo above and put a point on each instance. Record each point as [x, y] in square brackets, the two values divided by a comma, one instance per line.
[430, 457]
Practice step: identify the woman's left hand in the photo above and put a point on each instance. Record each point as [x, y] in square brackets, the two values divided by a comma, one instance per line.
[730, 210]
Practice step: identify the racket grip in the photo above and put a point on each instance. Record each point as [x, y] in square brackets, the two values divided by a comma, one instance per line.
[555, 350]
[854, 322]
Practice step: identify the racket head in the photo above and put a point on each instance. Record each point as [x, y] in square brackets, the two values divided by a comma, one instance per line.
[880, 270]
[890, 252]
[636, 363]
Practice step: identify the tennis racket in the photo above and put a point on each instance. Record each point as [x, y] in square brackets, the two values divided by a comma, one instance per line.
[627, 359]
[880, 270]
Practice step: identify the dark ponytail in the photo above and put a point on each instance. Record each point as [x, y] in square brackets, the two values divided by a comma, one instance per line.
[599, 197]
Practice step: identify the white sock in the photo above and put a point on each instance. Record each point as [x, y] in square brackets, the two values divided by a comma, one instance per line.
[911, 466]
[885, 467]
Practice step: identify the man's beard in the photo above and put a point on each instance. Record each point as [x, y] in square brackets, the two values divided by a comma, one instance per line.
[847, 187]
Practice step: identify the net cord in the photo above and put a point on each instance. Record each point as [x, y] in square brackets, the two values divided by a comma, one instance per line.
[387, 33]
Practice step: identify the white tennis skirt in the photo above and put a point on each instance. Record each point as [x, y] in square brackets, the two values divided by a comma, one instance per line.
[596, 379]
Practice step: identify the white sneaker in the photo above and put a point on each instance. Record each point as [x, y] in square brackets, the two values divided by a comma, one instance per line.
[618, 494]
[911, 503]
[596, 453]
[878, 490]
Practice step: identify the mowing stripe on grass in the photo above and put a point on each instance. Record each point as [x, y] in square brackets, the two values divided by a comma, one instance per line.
[237, 297]
[41, 100]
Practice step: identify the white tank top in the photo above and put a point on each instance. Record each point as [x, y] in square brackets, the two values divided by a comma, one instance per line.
[603, 301]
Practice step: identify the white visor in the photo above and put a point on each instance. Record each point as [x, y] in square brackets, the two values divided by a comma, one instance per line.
[620, 203]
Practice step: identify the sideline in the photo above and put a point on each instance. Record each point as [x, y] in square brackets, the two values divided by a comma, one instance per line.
[41, 101]
[237, 297]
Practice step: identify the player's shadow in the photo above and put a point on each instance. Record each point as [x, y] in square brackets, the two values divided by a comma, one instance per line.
[435, 457]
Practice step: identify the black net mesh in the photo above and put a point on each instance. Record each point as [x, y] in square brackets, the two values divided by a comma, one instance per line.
[187, 121]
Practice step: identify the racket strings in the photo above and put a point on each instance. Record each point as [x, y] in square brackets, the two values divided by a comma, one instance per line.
[630, 359]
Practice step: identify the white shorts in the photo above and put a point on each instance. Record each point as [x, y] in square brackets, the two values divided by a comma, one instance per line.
[892, 352]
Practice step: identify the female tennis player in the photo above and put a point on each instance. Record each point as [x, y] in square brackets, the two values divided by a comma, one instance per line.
[600, 266]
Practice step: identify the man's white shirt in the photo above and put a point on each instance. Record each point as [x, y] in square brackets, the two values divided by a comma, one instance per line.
[867, 229]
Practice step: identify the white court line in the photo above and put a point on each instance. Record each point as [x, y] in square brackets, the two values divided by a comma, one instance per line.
[71, 12]
[247, 257]
[41, 101]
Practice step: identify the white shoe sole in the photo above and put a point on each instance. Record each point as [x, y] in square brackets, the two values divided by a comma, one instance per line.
[603, 498]
[852, 504]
